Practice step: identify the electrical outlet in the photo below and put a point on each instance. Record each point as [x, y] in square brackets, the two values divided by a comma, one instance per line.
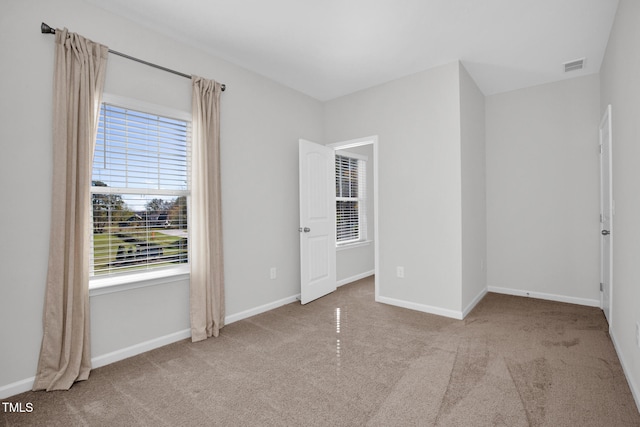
[638, 334]
[273, 273]
[400, 272]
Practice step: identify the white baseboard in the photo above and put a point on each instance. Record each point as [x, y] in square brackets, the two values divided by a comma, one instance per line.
[421, 307]
[16, 388]
[354, 278]
[474, 302]
[550, 297]
[134, 350]
[261, 309]
[435, 310]
[106, 359]
[635, 390]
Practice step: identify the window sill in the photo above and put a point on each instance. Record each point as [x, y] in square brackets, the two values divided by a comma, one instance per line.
[341, 247]
[126, 282]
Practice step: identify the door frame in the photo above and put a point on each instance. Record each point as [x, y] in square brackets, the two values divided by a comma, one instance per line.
[606, 122]
[369, 140]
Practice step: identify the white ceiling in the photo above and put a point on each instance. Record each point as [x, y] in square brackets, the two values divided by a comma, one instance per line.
[330, 48]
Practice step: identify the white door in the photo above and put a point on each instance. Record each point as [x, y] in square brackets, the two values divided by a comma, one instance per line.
[606, 212]
[317, 221]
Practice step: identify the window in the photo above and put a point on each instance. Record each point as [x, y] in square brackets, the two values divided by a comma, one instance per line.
[351, 218]
[140, 192]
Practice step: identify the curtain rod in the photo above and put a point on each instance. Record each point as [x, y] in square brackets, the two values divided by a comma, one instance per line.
[45, 29]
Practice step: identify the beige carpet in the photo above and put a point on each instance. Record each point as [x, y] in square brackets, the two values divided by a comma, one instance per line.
[345, 360]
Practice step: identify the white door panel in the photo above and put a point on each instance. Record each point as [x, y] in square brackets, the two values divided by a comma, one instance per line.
[606, 213]
[317, 221]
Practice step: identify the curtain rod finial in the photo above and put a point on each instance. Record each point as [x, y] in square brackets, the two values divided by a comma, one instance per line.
[45, 29]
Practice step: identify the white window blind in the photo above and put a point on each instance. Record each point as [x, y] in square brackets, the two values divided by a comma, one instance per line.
[350, 199]
[140, 191]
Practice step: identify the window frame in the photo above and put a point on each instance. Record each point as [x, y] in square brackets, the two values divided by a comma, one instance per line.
[361, 199]
[115, 282]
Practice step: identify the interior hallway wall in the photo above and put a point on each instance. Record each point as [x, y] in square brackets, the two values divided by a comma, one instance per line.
[543, 191]
[417, 120]
[474, 195]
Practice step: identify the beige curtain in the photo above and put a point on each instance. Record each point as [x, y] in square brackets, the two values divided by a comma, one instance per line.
[207, 274]
[65, 355]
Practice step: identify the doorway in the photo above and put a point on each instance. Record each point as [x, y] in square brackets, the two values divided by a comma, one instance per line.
[358, 253]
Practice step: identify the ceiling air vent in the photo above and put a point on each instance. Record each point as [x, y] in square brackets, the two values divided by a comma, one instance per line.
[578, 64]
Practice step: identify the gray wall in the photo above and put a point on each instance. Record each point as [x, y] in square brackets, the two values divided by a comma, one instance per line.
[261, 124]
[620, 87]
[417, 120]
[474, 210]
[359, 261]
[543, 191]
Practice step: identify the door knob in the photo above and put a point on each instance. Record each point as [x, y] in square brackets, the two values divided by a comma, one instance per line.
[306, 229]
[605, 232]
